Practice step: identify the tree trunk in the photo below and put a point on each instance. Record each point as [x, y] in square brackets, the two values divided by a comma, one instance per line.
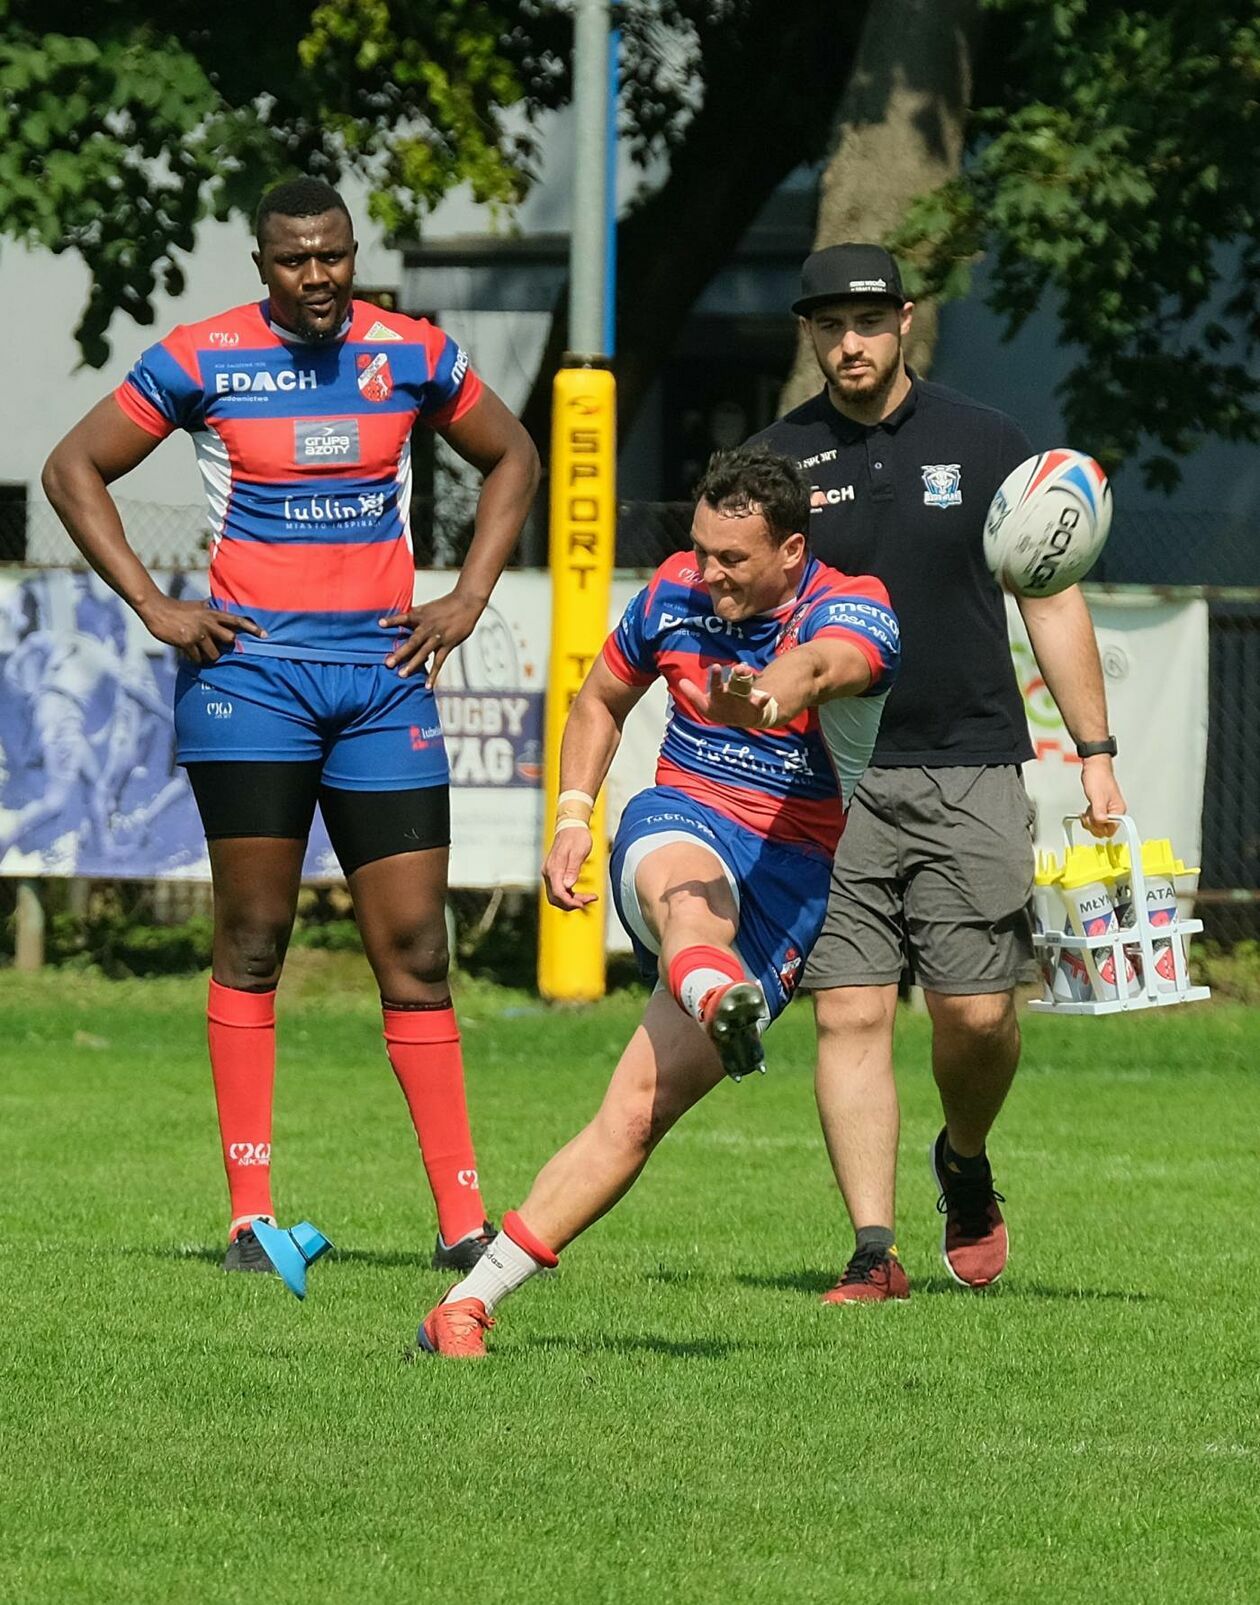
[900, 134]
[772, 83]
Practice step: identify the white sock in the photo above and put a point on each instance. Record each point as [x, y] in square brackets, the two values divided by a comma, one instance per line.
[697, 984]
[503, 1268]
[239, 1222]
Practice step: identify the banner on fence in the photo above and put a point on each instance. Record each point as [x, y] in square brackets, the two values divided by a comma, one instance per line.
[89, 786]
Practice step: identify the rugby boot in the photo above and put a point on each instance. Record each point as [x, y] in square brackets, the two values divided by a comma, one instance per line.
[455, 1331]
[246, 1253]
[732, 1015]
[974, 1243]
[464, 1254]
[870, 1277]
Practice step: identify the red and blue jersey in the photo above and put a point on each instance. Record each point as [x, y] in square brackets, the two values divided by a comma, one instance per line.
[791, 784]
[304, 451]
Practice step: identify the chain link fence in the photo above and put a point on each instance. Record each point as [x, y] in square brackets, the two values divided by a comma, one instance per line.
[1211, 553]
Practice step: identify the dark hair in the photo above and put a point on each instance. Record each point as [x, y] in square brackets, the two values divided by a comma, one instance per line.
[754, 479]
[298, 197]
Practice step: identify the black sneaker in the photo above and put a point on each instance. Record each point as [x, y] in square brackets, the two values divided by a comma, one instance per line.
[462, 1256]
[246, 1253]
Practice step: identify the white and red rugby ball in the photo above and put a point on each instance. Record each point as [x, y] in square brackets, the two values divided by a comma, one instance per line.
[1047, 523]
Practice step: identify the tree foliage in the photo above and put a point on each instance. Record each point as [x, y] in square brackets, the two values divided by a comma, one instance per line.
[737, 93]
[1112, 175]
[115, 145]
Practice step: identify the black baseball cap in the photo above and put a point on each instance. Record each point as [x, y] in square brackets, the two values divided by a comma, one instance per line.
[847, 270]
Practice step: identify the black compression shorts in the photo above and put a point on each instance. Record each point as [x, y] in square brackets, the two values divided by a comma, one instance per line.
[278, 799]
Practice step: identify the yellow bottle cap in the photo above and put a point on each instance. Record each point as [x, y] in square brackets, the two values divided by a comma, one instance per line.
[1158, 859]
[1082, 865]
[1048, 869]
[1118, 853]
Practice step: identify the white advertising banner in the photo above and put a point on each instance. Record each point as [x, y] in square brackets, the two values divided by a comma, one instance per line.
[1155, 667]
[88, 784]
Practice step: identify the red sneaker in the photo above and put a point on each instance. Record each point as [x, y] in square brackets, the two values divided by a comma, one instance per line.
[974, 1244]
[456, 1331]
[870, 1277]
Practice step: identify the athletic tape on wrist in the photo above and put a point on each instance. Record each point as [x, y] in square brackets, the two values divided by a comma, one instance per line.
[769, 713]
[572, 824]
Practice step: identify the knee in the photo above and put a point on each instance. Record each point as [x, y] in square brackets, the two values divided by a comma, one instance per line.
[419, 952]
[854, 1011]
[985, 1019]
[250, 951]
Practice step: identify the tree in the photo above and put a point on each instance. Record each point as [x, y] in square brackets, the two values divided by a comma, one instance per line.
[745, 93]
[903, 117]
[118, 144]
[1109, 173]
[1112, 176]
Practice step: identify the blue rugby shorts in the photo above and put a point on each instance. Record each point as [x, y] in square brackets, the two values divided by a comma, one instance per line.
[780, 890]
[371, 730]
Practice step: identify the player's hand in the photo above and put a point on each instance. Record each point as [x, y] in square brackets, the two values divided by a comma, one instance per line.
[437, 628]
[569, 851]
[196, 630]
[731, 697]
[1102, 790]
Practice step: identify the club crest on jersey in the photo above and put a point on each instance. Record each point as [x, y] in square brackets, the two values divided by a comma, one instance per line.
[942, 484]
[376, 382]
[790, 970]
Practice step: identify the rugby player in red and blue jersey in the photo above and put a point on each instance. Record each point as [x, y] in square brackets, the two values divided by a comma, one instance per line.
[777, 667]
[307, 674]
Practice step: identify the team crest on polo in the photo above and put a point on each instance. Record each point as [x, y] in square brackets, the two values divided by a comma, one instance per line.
[376, 382]
[942, 484]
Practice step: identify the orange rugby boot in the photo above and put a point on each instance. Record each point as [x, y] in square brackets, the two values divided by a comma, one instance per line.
[456, 1331]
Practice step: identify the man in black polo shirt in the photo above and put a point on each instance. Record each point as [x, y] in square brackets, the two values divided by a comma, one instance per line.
[935, 865]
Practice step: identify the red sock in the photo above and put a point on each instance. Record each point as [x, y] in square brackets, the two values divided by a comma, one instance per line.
[695, 971]
[521, 1235]
[423, 1048]
[241, 1027]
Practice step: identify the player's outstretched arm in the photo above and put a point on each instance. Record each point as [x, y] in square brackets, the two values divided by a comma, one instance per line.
[103, 446]
[592, 734]
[496, 443]
[816, 672]
[1066, 649]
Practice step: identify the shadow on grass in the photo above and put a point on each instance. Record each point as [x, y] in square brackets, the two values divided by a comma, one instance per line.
[692, 1349]
[384, 1259]
[811, 1281]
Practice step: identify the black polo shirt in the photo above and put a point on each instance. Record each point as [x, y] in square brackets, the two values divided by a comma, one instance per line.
[906, 500]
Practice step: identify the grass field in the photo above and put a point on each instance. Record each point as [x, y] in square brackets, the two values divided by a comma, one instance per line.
[673, 1416]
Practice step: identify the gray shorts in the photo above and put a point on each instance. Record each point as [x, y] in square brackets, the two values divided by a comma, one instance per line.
[934, 874]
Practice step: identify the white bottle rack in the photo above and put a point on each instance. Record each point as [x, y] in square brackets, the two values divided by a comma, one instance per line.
[1139, 938]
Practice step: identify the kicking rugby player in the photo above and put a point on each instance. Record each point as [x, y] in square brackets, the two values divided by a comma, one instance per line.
[778, 668]
[304, 675]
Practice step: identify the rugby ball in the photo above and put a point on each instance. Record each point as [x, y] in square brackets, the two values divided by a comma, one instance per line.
[1048, 523]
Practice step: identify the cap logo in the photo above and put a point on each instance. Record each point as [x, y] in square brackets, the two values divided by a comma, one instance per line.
[868, 286]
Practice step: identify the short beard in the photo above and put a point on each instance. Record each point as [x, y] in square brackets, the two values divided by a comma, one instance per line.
[874, 396]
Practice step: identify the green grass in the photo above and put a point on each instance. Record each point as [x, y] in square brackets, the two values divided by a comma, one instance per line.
[672, 1417]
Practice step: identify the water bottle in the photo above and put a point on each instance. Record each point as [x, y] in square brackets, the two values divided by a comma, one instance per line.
[1086, 885]
[1161, 870]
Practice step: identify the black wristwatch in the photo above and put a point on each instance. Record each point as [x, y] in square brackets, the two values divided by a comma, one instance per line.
[1096, 749]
